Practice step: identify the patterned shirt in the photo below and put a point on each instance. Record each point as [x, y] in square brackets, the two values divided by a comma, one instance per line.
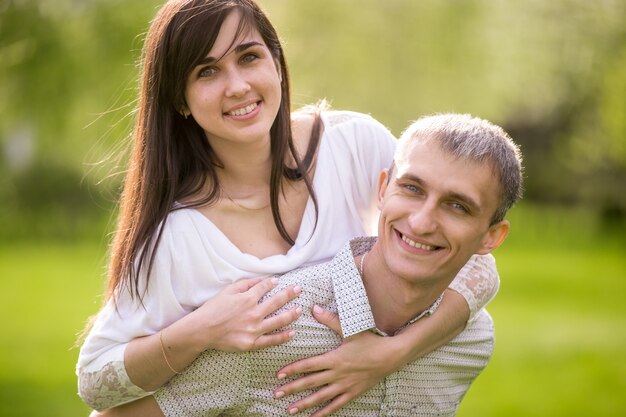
[242, 383]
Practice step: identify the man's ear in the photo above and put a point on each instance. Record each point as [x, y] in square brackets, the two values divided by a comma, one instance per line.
[494, 237]
[383, 181]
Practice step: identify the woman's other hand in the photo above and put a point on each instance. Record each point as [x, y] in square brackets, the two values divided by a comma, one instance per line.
[340, 375]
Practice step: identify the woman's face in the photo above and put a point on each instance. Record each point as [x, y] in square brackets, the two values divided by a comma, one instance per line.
[234, 94]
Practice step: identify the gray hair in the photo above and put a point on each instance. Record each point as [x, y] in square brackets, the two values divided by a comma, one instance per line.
[468, 137]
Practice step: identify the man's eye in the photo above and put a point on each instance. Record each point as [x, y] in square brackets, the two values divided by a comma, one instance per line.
[459, 207]
[411, 188]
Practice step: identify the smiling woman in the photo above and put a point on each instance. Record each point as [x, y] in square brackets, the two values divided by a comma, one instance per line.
[226, 187]
[241, 71]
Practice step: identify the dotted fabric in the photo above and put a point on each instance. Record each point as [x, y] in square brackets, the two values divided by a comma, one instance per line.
[241, 384]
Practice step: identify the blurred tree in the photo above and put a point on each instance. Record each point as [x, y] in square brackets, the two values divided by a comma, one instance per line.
[68, 83]
[552, 73]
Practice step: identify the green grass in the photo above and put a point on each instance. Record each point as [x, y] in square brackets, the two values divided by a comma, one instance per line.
[560, 322]
[48, 290]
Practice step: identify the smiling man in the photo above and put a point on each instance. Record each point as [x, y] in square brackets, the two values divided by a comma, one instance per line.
[442, 201]
[454, 177]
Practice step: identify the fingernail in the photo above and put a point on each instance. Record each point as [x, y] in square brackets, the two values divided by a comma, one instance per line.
[282, 376]
[299, 310]
[274, 280]
[317, 309]
[293, 410]
[279, 394]
[291, 334]
[297, 289]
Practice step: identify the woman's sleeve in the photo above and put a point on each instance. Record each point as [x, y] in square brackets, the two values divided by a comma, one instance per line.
[477, 282]
[363, 147]
[102, 378]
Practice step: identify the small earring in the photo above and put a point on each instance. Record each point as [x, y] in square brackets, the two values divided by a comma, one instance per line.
[186, 114]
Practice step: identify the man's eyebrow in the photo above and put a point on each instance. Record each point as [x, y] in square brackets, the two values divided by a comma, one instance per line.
[238, 49]
[410, 177]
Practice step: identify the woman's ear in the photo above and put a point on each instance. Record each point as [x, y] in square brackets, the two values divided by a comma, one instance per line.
[184, 111]
[494, 237]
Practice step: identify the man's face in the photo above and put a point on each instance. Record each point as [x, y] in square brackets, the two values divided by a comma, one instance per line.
[435, 213]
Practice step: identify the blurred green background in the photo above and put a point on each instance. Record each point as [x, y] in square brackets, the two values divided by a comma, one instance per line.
[553, 73]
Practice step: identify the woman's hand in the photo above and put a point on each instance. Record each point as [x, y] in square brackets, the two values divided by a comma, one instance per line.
[234, 320]
[341, 374]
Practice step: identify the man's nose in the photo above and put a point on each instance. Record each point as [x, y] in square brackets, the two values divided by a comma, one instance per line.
[423, 218]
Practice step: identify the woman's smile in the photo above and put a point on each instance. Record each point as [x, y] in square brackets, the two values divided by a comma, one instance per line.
[245, 112]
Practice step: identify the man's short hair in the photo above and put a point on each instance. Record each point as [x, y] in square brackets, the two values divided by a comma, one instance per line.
[475, 139]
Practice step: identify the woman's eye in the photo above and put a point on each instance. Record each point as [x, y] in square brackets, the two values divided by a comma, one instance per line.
[207, 72]
[248, 58]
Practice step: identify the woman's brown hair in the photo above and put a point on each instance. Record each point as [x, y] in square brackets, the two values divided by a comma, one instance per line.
[171, 159]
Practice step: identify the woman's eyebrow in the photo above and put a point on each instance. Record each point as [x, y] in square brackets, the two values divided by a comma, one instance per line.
[238, 49]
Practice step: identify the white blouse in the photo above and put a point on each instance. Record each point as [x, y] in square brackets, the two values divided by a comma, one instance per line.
[194, 259]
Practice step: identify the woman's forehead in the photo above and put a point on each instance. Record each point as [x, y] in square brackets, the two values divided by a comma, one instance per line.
[235, 30]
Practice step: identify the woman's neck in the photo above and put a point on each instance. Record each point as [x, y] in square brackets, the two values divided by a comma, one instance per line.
[246, 167]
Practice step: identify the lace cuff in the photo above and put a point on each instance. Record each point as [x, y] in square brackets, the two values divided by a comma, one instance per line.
[477, 282]
[108, 387]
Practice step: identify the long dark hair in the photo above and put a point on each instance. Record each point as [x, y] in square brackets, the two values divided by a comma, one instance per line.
[171, 157]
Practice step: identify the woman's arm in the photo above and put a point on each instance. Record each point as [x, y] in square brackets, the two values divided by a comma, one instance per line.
[145, 407]
[231, 320]
[358, 365]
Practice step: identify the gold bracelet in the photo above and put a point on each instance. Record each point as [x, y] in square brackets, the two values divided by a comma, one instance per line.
[164, 355]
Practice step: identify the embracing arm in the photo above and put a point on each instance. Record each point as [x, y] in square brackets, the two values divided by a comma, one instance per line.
[232, 320]
[357, 365]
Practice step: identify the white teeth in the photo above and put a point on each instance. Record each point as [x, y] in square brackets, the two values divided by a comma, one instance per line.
[417, 245]
[244, 110]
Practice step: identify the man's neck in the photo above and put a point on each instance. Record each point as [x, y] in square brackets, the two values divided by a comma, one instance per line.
[395, 301]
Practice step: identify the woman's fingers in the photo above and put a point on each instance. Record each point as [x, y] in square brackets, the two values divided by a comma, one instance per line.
[328, 319]
[279, 299]
[263, 287]
[308, 365]
[273, 339]
[310, 381]
[281, 320]
[242, 285]
[315, 399]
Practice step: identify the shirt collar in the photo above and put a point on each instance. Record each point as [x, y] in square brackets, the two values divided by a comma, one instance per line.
[353, 306]
[355, 313]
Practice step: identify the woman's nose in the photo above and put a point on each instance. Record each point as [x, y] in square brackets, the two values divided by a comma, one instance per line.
[237, 85]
